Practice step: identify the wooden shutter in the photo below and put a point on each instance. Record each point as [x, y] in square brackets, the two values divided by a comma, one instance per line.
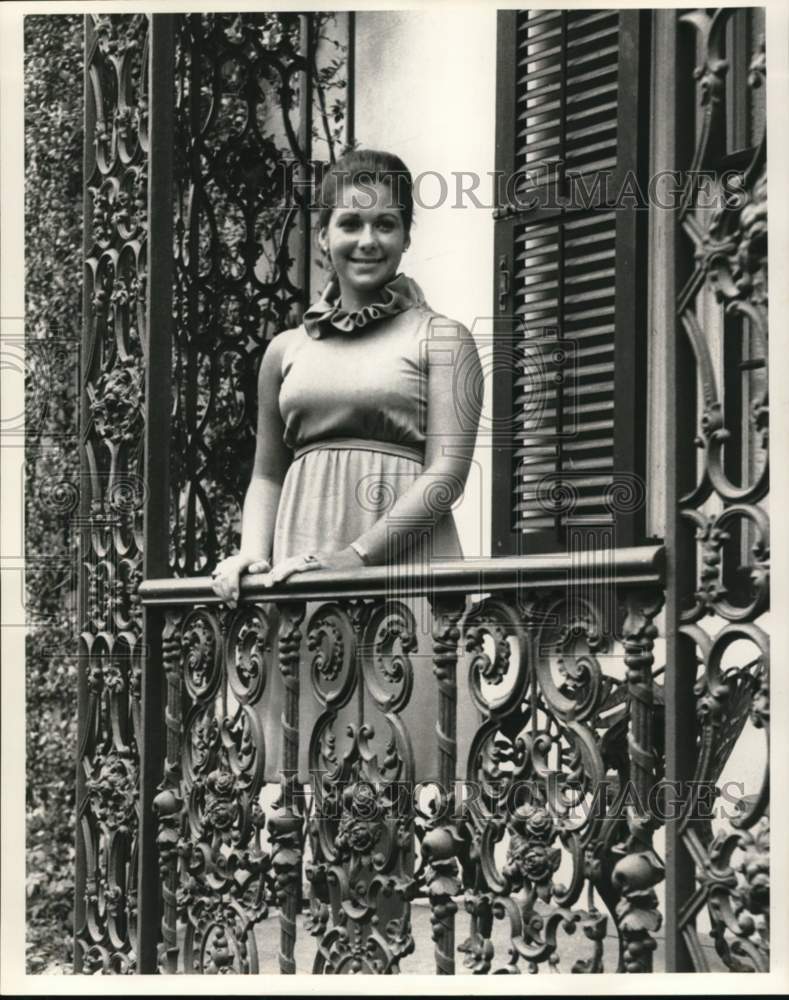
[569, 385]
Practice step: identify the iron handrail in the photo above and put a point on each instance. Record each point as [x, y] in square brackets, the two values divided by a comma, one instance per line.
[637, 565]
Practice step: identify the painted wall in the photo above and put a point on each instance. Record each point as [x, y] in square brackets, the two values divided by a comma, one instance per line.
[426, 90]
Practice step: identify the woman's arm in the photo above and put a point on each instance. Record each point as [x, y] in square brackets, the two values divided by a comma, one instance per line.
[272, 458]
[454, 400]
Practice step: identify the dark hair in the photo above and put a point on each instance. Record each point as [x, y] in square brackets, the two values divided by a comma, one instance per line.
[365, 167]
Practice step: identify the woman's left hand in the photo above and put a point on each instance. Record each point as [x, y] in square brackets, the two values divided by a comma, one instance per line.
[347, 558]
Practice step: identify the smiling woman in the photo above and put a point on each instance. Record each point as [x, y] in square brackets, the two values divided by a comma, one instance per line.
[365, 431]
[365, 240]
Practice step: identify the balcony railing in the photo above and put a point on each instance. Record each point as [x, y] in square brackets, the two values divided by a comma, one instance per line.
[350, 748]
[545, 686]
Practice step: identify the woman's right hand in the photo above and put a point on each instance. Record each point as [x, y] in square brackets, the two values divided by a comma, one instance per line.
[225, 578]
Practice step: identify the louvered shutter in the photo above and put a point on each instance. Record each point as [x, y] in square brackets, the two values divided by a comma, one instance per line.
[569, 396]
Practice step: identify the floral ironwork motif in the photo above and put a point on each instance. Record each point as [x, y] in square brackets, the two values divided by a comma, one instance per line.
[216, 875]
[729, 288]
[549, 837]
[530, 858]
[362, 839]
[558, 754]
[112, 505]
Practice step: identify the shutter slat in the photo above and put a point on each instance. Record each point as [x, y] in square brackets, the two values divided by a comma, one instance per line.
[588, 337]
[604, 163]
[590, 482]
[540, 18]
[605, 58]
[580, 82]
[531, 56]
[591, 37]
[584, 277]
[524, 507]
[564, 270]
[607, 109]
[587, 371]
[590, 295]
[592, 93]
[540, 74]
[578, 19]
[543, 105]
[535, 92]
[541, 143]
[576, 135]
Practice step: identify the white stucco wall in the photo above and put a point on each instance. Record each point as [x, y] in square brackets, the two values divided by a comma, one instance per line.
[425, 90]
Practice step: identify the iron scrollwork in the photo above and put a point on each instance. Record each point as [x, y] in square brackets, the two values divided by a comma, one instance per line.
[362, 838]
[730, 518]
[111, 550]
[215, 872]
[252, 93]
[557, 759]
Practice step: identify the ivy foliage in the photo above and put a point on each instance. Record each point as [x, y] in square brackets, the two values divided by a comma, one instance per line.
[53, 307]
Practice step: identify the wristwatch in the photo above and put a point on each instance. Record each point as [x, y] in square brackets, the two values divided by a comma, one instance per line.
[360, 552]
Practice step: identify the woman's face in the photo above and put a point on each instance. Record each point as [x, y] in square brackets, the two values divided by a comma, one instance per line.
[365, 239]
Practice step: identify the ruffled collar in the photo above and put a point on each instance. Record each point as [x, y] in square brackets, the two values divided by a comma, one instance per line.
[399, 294]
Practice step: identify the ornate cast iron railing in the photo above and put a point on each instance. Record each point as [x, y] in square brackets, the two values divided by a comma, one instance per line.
[719, 542]
[528, 722]
[172, 342]
[546, 704]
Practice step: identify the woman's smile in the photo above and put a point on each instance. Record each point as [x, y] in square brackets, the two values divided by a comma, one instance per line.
[365, 239]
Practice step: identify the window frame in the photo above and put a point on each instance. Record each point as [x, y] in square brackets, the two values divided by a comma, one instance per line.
[630, 291]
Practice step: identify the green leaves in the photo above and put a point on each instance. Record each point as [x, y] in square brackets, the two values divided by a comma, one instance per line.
[53, 290]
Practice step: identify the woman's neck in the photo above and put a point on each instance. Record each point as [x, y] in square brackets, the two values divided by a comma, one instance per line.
[353, 299]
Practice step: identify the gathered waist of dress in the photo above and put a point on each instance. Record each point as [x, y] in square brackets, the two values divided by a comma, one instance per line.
[413, 452]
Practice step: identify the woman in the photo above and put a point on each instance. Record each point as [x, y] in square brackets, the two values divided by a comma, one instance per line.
[367, 411]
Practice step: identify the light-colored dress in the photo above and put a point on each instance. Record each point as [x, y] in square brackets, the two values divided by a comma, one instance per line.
[354, 403]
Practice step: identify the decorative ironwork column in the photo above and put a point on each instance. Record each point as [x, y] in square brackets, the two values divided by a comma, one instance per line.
[251, 99]
[441, 841]
[718, 652]
[115, 341]
[640, 870]
[286, 827]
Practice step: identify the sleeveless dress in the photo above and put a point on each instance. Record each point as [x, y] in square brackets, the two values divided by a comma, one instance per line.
[353, 399]
[354, 403]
